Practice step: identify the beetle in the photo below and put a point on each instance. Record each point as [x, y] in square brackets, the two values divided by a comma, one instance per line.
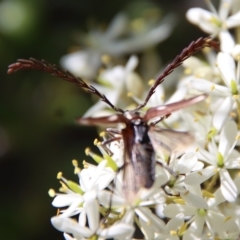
[141, 137]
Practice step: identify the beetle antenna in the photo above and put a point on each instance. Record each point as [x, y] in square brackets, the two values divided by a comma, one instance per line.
[193, 47]
[44, 66]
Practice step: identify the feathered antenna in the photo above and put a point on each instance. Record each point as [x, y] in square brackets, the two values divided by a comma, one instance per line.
[187, 52]
[58, 72]
[44, 66]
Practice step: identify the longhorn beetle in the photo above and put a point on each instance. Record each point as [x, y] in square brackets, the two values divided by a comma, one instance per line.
[141, 137]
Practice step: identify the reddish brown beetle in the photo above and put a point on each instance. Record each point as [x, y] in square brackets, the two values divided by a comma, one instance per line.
[141, 137]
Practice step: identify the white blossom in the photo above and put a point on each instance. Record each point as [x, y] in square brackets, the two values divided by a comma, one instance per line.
[224, 97]
[85, 63]
[195, 194]
[221, 158]
[216, 23]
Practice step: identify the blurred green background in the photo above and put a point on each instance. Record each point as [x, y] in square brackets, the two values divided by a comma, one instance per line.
[38, 136]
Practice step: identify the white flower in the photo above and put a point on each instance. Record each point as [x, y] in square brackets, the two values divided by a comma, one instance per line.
[85, 200]
[83, 63]
[187, 164]
[194, 194]
[220, 158]
[117, 82]
[216, 23]
[119, 231]
[171, 230]
[198, 214]
[86, 63]
[81, 199]
[224, 96]
[150, 224]
[195, 67]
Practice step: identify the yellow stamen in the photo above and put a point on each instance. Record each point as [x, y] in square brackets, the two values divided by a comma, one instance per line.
[179, 201]
[95, 142]
[64, 187]
[227, 218]
[137, 24]
[208, 194]
[87, 151]
[151, 82]
[196, 119]
[85, 164]
[129, 94]
[51, 192]
[173, 233]
[102, 134]
[59, 175]
[106, 59]
[75, 163]
[182, 229]
[187, 71]
[233, 114]
[77, 170]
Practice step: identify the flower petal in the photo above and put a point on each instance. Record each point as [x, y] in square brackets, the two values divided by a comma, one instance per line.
[120, 230]
[172, 210]
[205, 86]
[226, 41]
[146, 214]
[222, 114]
[227, 68]
[106, 197]
[62, 200]
[234, 20]
[116, 26]
[92, 210]
[70, 226]
[194, 200]
[198, 225]
[228, 187]
[224, 9]
[146, 229]
[187, 163]
[82, 63]
[67, 236]
[227, 137]
[202, 19]
[232, 163]
[200, 176]
[175, 223]
[140, 41]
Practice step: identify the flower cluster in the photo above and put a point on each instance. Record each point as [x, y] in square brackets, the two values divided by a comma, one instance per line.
[123, 36]
[194, 195]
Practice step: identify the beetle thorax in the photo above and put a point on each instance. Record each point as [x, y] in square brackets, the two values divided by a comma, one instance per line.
[138, 126]
[133, 116]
